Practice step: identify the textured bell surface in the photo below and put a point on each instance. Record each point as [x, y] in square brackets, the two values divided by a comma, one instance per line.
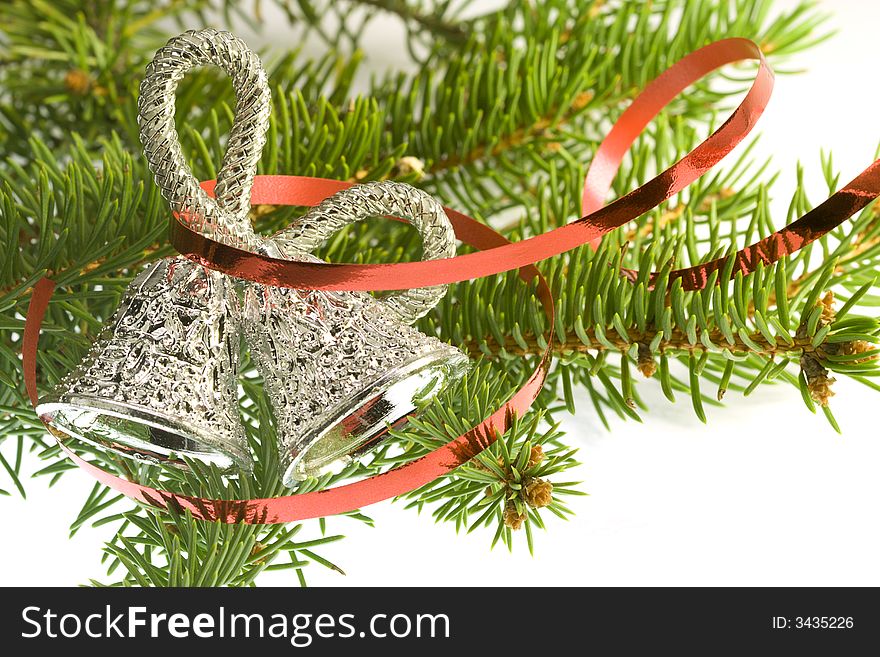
[159, 382]
[339, 367]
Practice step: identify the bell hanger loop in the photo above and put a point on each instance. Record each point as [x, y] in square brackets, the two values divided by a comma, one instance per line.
[225, 217]
[374, 199]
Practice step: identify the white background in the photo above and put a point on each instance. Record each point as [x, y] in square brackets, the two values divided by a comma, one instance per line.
[766, 494]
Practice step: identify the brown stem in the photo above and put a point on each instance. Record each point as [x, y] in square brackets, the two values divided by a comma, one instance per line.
[435, 24]
[678, 341]
[147, 255]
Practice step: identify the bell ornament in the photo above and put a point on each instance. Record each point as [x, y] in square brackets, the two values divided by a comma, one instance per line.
[341, 367]
[159, 382]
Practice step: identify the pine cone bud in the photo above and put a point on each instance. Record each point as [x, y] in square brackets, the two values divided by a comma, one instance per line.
[255, 551]
[818, 378]
[820, 389]
[410, 164]
[646, 363]
[828, 312]
[582, 100]
[538, 493]
[536, 456]
[858, 347]
[513, 518]
[77, 82]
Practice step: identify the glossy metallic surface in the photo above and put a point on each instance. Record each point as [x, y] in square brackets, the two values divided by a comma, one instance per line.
[339, 367]
[226, 217]
[158, 383]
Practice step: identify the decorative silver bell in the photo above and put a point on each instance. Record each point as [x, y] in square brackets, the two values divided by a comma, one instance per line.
[340, 367]
[159, 382]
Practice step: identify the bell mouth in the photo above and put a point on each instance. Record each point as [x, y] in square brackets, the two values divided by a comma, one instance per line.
[137, 433]
[351, 429]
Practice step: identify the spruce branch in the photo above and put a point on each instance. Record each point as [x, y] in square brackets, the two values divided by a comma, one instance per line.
[505, 487]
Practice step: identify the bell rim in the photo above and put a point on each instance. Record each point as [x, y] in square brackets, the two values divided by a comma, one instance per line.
[445, 356]
[151, 417]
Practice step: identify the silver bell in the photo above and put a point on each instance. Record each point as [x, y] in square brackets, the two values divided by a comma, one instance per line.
[340, 367]
[159, 382]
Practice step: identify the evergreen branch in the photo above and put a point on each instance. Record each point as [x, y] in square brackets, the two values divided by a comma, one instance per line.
[520, 137]
[506, 485]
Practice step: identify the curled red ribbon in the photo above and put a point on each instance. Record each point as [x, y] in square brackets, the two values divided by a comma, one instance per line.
[496, 254]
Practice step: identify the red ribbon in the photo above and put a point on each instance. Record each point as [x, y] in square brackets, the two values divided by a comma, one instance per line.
[496, 254]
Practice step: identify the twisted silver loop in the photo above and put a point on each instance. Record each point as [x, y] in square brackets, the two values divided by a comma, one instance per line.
[371, 200]
[226, 218]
